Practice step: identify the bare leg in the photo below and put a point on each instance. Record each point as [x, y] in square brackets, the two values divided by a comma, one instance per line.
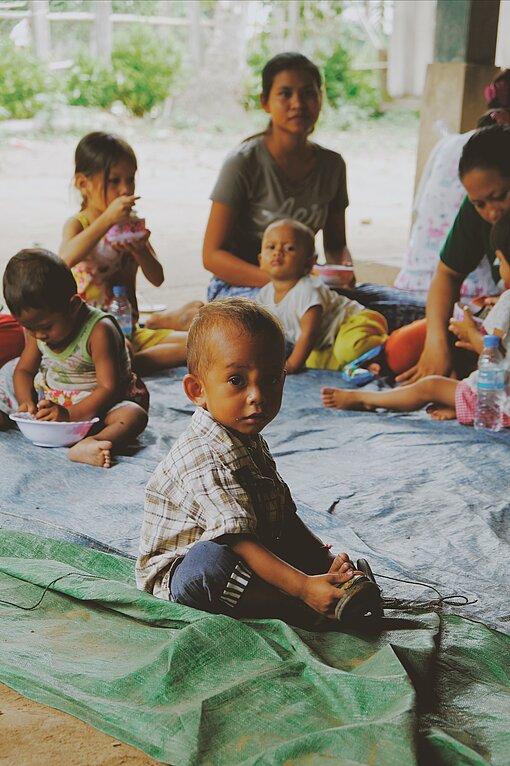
[170, 353]
[121, 426]
[180, 319]
[404, 399]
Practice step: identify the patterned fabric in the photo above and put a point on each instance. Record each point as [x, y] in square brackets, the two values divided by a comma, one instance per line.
[210, 484]
[465, 406]
[72, 369]
[103, 268]
[69, 376]
[497, 321]
[437, 201]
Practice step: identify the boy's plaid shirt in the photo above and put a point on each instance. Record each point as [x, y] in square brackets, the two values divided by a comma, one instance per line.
[210, 484]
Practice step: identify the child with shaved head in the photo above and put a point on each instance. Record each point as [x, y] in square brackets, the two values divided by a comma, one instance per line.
[325, 330]
[220, 529]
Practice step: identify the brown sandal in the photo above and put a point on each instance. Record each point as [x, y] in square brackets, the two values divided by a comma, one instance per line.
[361, 596]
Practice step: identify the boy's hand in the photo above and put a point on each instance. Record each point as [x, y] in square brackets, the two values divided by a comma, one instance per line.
[119, 210]
[321, 591]
[47, 410]
[27, 407]
[341, 563]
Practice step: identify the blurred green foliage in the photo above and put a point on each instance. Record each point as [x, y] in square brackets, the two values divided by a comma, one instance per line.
[145, 68]
[90, 82]
[25, 83]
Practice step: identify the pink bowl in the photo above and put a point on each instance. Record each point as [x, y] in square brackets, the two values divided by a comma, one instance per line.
[332, 274]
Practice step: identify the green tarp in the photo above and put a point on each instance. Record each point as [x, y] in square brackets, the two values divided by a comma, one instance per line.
[193, 689]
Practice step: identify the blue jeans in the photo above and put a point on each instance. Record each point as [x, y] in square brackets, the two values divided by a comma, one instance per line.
[206, 578]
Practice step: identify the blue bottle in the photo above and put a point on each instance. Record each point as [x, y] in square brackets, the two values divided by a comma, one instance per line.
[490, 386]
[121, 309]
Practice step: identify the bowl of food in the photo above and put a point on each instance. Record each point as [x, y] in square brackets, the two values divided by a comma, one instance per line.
[49, 433]
[131, 231]
[333, 275]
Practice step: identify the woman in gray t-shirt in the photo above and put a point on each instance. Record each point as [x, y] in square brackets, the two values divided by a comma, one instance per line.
[277, 174]
[282, 174]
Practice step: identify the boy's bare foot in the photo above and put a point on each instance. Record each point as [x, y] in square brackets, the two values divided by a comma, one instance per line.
[441, 412]
[92, 451]
[174, 320]
[342, 399]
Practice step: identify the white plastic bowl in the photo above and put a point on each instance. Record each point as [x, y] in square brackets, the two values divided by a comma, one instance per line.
[45, 433]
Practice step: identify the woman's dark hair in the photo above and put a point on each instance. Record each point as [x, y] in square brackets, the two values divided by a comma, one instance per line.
[283, 61]
[98, 151]
[37, 279]
[487, 149]
[500, 236]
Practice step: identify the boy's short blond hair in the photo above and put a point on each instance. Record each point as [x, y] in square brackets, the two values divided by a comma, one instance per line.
[307, 235]
[239, 313]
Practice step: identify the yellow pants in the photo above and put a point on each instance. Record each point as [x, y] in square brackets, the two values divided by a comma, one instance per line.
[142, 338]
[360, 333]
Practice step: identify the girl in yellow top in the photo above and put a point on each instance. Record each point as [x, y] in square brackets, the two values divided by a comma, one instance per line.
[105, 169]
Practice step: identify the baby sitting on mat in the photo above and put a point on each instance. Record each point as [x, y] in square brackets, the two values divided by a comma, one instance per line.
[326, 330]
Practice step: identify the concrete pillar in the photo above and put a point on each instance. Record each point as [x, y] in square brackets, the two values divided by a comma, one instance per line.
[40, 28]
[195, 35]
[464, 48]
[411, 46]
[102, 32]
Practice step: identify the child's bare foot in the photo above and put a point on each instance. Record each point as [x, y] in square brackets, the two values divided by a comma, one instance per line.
[441, 412]
[342, 399]
[174, 320]
[92, 451]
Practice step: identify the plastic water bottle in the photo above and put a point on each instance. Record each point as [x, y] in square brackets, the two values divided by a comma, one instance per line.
[490, 387]
[120, 308]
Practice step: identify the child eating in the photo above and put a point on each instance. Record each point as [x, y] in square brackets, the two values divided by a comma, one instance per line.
[74, 355]
[326, 330]
[448, 398]
[220, 530]
[101, 257]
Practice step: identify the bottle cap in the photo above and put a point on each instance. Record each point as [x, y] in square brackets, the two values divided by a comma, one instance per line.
[491, 341]
[119, 290]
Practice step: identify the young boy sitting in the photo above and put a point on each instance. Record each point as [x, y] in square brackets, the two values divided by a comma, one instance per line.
[327, 330]
[220, 530]
[74, 365]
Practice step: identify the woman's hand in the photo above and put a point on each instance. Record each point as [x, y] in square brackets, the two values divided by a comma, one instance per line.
[436, 361]
[50, 411]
